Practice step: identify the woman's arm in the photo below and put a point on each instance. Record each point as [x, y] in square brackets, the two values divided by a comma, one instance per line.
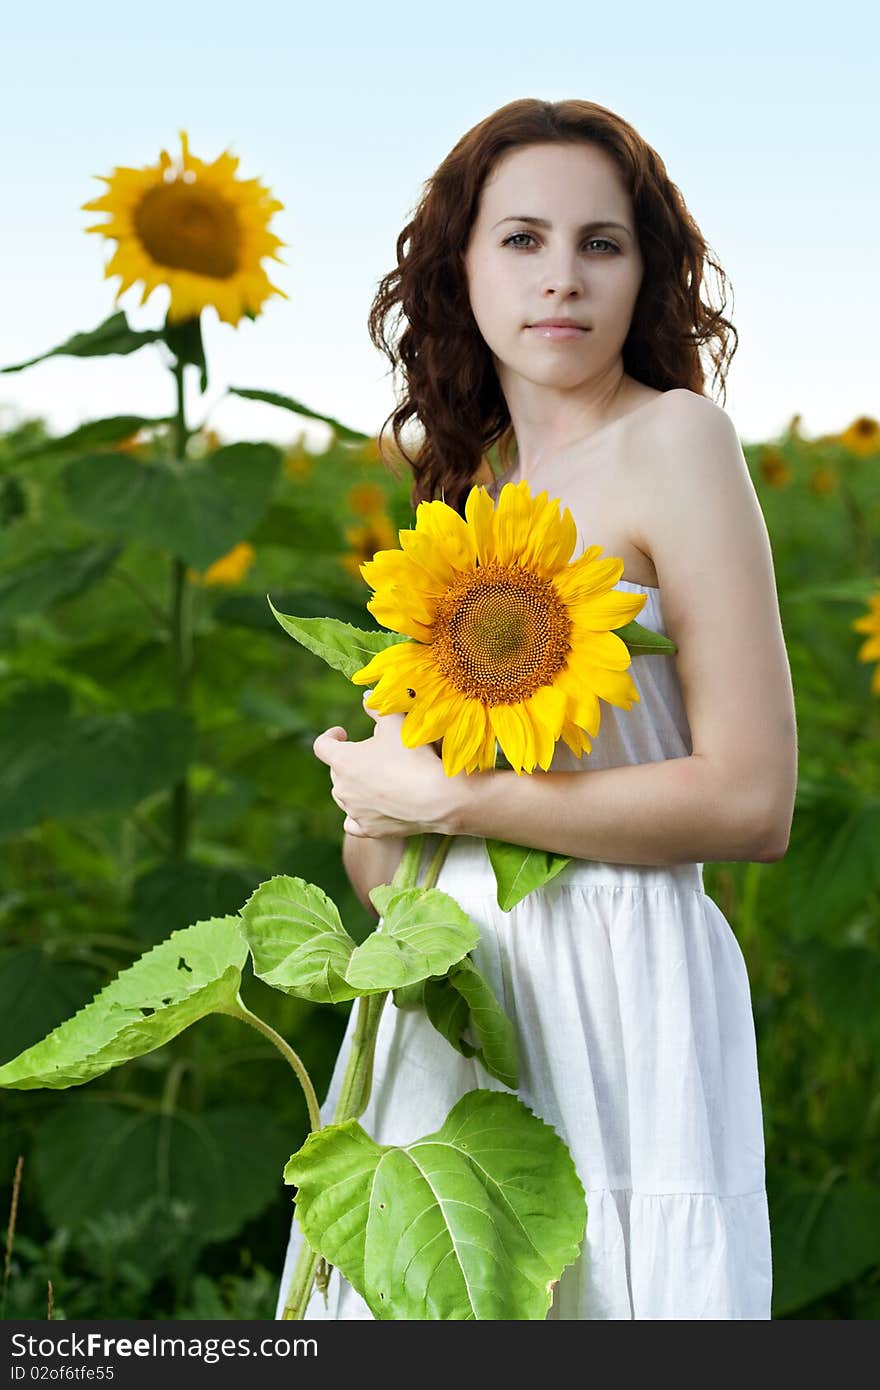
[733, 796]
[369, 862]
[671, 812]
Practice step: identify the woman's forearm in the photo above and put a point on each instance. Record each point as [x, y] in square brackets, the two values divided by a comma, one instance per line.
[670, 812]
[369, 862]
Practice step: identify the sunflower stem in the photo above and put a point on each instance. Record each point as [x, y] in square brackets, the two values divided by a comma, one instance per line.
[181, 640]
[357, 1083]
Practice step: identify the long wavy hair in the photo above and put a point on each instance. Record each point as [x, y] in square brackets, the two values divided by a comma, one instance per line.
[449, 383]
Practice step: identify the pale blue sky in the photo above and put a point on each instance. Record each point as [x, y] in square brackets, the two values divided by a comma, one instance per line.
[766, 117]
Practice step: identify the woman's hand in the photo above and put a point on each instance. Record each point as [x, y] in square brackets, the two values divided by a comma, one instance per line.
[383, 787]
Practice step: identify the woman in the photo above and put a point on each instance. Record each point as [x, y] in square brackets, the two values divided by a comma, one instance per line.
[625, 982]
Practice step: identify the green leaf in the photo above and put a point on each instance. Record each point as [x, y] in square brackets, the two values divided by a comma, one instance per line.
[92, 434]
[56, 764]
[301, 528]
[476, 1221]
[288, 403]
[342, 646]
[423, 933]
[194, 972]
[300, 946]
[643, 641]
[219, 1168]
[60, 575]
[197, 509]
[519, 870]
[497, 1048]
[297, 940]
[824, 1235]
[185, 341]
[113, 337]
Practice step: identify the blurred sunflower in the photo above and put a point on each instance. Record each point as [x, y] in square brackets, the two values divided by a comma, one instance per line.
[870, 650]
[822, 481]
[862, 437]
[774, 468]
[376, 533]
[230, 569]
[366, 498]
[298, 460]
[511, 642]
[195, 228]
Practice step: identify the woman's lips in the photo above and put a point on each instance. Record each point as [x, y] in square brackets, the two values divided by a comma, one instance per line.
[546, 330]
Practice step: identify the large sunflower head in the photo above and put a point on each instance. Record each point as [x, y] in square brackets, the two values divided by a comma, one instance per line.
[194, 227]
[510, 641]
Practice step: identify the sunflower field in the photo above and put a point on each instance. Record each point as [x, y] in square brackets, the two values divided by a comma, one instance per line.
[156, 726]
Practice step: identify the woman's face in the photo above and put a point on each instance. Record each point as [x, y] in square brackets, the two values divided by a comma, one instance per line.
[584, 264]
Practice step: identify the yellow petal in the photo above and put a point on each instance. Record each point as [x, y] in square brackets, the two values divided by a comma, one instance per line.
[599, 649]
[388, 610]
[464, 737]
[479, 510]
[449, 532]
[587, 576]
[548, 545]
[606, 611]
[405, 655]
[513, 517]
[546, 709]
[510, 732]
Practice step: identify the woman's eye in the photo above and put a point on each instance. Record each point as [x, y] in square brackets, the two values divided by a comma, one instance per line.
[592, 242]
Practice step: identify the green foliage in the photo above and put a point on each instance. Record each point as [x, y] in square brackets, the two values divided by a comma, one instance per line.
[299, 944]
[93, 739]
[197, 509]
[194, 972]
[475, 1221]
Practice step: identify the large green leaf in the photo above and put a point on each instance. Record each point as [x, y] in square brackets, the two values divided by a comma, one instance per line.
[55, 764]
[519, 870]
[194, 972]
[218, 1168]
[342, 646]
[107, 431]
[60, 575]
[824, 1234]
[111, 338]
[297, 407]
[476, 1221]
[300, 946]
[198, 509]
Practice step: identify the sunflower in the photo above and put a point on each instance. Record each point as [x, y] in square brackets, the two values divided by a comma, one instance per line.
[365, 540]
[870, 650]
[510, 641]
[862, 437]
[230, 569]
[197, 229]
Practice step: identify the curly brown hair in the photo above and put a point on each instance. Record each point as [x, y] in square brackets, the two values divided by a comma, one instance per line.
[449, 381]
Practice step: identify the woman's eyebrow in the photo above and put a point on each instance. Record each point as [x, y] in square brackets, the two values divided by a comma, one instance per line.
[542, 222]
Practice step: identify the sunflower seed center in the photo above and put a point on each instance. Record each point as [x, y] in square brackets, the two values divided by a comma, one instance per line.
[500, 633]
[189, 227]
